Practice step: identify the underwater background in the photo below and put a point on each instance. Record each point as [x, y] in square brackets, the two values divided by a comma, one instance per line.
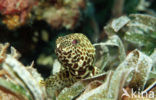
[123, 33]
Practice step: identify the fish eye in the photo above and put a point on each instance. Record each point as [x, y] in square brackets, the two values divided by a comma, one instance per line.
[75, 41]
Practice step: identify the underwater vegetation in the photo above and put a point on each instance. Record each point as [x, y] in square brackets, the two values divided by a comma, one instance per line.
[77, 50]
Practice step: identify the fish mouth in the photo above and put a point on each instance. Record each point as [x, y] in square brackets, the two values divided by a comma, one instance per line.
[58, 45]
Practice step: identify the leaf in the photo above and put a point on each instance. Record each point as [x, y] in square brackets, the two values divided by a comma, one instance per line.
[120, 22]
[137, 29]
[117, 83]
[99, 92]
[141, 31]
[116, 25]
[152, 75]
[14, 90]
[72, 92]
[30, 79]
[142, 65]
[113, 40]
[132, 72]
[153, 57]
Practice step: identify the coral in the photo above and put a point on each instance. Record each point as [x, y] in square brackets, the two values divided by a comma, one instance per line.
[58, 13]
[61, 13]
[18, 9]
[12, 21]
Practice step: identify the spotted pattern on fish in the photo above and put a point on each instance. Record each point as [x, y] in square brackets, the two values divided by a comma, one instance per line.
[76, 54]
